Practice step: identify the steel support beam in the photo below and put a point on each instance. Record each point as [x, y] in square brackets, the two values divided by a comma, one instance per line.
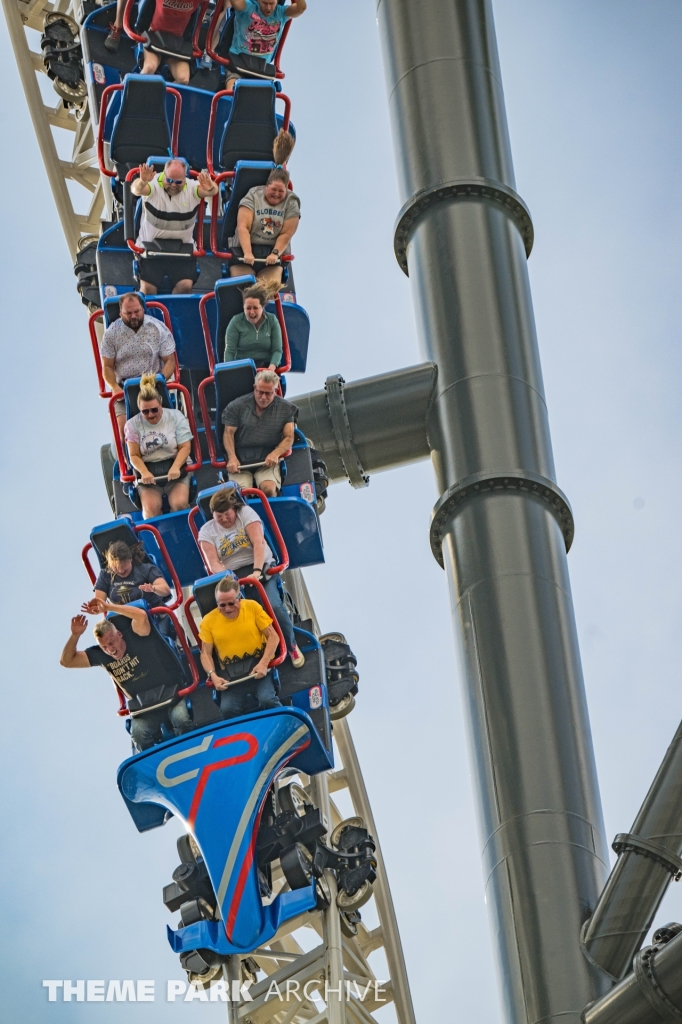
[649, 858]
[502, 525]
[369, 425]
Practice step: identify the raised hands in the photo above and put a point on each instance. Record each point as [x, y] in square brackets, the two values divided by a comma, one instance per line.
[206, 183]
[79, 624]
[147, 173]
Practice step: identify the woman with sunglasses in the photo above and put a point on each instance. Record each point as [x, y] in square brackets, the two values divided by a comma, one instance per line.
[159, 442]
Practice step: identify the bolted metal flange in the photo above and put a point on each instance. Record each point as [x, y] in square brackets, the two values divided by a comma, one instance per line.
[531, 484]
[461, 190]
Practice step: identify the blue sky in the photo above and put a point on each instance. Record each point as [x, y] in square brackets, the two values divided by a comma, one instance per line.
[593, 98]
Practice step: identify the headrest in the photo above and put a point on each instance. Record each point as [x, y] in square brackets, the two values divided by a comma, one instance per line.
[204, 591]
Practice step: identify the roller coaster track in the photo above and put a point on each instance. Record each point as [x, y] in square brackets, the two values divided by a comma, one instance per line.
[337, 966]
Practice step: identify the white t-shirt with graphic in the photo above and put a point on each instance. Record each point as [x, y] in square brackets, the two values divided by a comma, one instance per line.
[268, 220]
[159, 441]
[232, 542]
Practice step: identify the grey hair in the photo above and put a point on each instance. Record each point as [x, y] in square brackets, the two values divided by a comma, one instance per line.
[266, 377]
[103, 627]
[226, 584]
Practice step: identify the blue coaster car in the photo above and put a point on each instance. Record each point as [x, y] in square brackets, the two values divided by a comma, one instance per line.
[222, 774]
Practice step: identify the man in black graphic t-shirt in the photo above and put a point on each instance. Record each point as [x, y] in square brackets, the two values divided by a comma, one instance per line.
[141, 664]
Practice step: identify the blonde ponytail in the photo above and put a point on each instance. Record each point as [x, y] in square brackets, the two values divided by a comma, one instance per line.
[148, 392]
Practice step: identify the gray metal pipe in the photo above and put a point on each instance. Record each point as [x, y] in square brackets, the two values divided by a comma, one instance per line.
[385, 423]
[649, 857]
[651, 994]
[501, 525]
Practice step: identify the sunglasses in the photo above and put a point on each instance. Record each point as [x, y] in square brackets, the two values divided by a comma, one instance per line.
[149, 412]
[174, 181]
[229, 604]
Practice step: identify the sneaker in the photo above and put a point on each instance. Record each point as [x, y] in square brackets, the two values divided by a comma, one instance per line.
[297, 659]
[113, 39]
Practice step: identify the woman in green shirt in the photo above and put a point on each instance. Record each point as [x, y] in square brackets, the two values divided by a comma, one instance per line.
[254, 334]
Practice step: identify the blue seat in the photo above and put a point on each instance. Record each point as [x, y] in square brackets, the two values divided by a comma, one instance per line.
[296, 517]
[297, 324]
[141, 126]
[131, 389]
[247, 174]
[187, 332]
[179, 540]
[250, 127]
[229, 303]
[194, 119]
[101, 537]
[114, 263]
[112, 308]
[101, 67]
[232, 380]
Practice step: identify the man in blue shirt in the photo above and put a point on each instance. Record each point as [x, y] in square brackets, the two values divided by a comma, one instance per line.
[258, 26]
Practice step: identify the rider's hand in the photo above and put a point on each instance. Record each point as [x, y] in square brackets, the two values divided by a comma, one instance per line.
[94, 607]
[271, 460]
[219, 682]
[270, 259]
[206, 182]
[147, 587]
[78, 625]
[173, 473]
[261, 670]
[248, 258]
[147, 477]
[233, 465]
[147, 173]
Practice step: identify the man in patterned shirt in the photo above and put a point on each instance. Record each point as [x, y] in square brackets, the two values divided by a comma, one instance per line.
[133, 345]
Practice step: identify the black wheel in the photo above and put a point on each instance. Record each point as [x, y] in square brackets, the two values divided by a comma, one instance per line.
[188, 850]
[349, 923]
[356, 822]
[293, 798]
[343, 708]
[349, 901]
[297, 866]
[338, 638]
[195, 910]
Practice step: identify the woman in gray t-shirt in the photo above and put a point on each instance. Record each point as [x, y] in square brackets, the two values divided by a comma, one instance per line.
[267, 221]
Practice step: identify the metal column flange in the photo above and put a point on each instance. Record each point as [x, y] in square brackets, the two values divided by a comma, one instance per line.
[531, 484]
[336, 404]
[647, 981]
[627, 843]
[461, 189]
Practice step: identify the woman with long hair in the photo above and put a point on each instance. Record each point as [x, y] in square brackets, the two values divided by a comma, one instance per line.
[254, 334]
[266, 222]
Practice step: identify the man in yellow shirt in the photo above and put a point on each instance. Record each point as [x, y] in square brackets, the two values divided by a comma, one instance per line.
[242, 636]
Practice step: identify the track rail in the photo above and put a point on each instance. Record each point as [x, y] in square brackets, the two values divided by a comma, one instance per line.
[336, 961]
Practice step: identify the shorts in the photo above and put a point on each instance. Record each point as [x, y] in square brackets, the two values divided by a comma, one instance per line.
[247, 65]
[120, 404]
[166, 487]
[246, 479]
[153, 269]
[260, 252]
[168, 45]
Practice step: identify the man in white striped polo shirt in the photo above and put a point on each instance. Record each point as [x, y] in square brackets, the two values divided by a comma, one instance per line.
[169, 212]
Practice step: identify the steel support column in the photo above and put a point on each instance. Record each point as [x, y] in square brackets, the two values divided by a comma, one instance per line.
[501, 524]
